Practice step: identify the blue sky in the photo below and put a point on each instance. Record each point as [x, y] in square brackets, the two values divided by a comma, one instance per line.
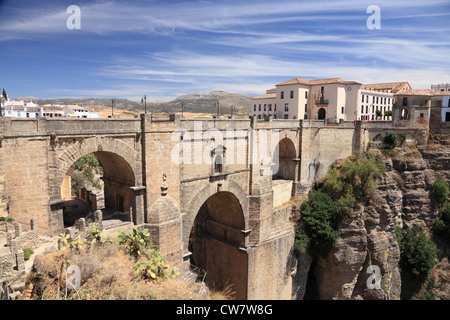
[164, 49]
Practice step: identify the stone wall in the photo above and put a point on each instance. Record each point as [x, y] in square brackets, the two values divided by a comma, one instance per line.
[322, 144]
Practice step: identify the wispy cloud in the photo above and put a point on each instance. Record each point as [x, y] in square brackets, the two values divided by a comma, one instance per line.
[128, 48]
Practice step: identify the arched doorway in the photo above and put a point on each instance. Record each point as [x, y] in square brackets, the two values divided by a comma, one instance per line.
[214, 242]
[113, 196]
[284, 154]
[321, 114]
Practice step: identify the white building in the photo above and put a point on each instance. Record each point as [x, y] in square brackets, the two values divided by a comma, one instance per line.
[80, 112]
[265, 105]
[309, 99]
[445, 87]
[20, 109]
[441, 103]
[378, 99]
[334, 99]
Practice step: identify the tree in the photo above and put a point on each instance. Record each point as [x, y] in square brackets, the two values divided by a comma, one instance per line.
[440, 191]
[417, 252]
[353, 181]
[441, 226]
[390, 139]
[320, 215]
[4, 94]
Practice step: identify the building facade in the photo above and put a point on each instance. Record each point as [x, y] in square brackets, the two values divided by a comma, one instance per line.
[333, 99]
[20, 109]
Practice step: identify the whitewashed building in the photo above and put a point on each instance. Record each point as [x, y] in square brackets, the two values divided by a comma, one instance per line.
[333, 99]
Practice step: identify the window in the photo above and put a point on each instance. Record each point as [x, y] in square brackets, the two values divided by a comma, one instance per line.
[306, 107]
[322, 89]
[286, 107]
[218, 160]
[292, 94]
[342, 110]
[265, 109]
[270, 107]
[286, 116]
[367, 99]
[275, 107]
[254, 107]
[405, 101]
[306, 94]
[447, 117]
[259, 107]
[362, 100]
[362, 109]
[282, 94]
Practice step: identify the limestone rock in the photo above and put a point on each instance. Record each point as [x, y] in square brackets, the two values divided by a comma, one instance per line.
[337, 274]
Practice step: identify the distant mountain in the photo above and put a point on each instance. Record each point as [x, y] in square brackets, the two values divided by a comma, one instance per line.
[197, 102]
[212, 102]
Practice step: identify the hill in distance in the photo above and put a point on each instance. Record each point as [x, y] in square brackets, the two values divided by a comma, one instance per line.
[198, 102]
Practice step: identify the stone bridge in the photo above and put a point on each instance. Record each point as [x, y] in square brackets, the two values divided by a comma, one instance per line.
[212, 192]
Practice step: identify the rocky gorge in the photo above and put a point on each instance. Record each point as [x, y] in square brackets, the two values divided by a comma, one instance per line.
[367, 248]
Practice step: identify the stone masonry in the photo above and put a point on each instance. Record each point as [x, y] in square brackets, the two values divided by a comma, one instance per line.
[228, 203]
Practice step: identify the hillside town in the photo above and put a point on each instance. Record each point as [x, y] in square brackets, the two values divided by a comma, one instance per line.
[21, 109]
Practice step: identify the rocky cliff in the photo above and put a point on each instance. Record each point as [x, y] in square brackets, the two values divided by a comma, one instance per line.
[367, 248]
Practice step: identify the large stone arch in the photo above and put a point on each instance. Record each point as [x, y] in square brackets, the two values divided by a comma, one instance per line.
[216, 240]
[284, 159]
[200, 198]
[121, 174]
[67, 157]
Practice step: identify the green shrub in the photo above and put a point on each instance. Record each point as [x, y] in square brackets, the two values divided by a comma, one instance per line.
[388, 113]
[353, 181]
[440, 190]
[27, 252]
[301, 242]
[154, 266]
[390, 139]
[136, 242]
[441, 226]
[417, 252]
[320, 215]
[2, 219]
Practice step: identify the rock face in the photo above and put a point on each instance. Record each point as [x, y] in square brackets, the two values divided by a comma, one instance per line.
[367, 242]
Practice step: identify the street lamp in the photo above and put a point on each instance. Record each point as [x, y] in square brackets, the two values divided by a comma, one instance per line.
[112, 108]
[144, 101]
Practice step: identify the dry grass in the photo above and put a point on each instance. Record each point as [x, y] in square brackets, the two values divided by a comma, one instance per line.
[107, 274]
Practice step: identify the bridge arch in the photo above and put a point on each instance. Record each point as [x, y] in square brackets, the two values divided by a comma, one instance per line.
[284, 156]
[213, 237]
[119, 172]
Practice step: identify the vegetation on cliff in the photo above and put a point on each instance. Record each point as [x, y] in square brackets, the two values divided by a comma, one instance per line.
[84, 170]
[347, 184]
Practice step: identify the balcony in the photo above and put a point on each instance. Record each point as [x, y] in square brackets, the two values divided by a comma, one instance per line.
[321, 101]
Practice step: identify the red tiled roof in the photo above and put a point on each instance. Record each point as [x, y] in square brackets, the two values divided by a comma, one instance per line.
[392, 86]
[315, 82]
